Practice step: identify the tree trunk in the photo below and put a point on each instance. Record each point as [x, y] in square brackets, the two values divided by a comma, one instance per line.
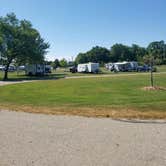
[151, 75]
[152, 82]
[6, 72]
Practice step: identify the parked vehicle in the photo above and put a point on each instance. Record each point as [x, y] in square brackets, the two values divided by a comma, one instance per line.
[36, 69]
[122, 66]
[88, 68]
[47, 69]
[2, 68]
[144, 68]
[12, 68]
[134, 65]
[21, 67]
[73, 69]
[109, 66]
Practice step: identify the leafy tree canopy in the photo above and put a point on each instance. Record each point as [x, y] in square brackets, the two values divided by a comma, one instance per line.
[20, 42]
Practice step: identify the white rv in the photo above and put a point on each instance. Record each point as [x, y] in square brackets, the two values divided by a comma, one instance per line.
[88, 68]
[109, 66]
[122, 66]
[126, 66]
[134, 65]
[35, 69]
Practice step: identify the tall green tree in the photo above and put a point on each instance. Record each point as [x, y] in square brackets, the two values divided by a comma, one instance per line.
[120, 52]
[20, 42]
[55, 64]
[157, 49]
[82, 58]
[155, 53]
[138, 52]
[96, 54]
[99, 55]
[63, 62]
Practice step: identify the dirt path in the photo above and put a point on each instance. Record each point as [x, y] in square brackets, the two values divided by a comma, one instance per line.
[3, 83]
[42, 140]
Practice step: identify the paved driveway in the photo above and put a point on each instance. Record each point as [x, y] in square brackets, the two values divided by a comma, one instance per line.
[43, 140]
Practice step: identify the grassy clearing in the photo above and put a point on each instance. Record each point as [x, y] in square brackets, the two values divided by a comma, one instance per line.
[102, 97]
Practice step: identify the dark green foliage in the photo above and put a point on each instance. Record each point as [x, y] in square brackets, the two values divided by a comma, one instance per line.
[120, 52]
[96, 54]
[157, 49]
[55, 64]
[99, 54]
[63, 62]
[81, 58]
[20, 42]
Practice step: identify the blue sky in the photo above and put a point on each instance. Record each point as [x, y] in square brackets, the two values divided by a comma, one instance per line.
[73, 26]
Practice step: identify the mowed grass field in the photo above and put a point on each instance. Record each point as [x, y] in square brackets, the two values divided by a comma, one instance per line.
[114, 96]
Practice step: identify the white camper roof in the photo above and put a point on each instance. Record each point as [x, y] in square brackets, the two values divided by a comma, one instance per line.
[121, 63]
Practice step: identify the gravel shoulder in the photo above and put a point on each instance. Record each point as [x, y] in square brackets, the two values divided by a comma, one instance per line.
[39, 140]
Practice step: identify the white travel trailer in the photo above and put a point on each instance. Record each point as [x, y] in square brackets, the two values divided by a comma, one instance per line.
[35, 69]
[122, 66]
[109, 66]
[134, 65]
[88, 68]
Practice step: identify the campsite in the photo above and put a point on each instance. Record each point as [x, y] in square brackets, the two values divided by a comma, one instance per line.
[82, 83]
[118, 92]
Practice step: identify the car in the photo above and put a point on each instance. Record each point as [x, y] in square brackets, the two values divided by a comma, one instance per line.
[12, 68]
[73, 69]
[2, 68]
[21, 68]
[144, 68]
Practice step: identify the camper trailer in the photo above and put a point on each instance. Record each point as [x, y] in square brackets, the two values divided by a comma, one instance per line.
[134, 65]
[121, 66]
[125, 66]
[36, 69]
[109, 66]
[88, 68]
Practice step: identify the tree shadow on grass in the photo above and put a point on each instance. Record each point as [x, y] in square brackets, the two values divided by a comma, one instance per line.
[30, 78]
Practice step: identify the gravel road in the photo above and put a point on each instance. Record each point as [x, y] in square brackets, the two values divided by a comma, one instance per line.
[45, 140]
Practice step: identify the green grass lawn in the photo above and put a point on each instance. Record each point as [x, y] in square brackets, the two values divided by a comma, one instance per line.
[119, 92]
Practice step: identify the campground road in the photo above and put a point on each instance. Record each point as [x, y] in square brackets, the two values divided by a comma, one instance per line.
[45, 140]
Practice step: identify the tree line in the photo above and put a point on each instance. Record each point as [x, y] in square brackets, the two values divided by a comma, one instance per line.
[120, 52]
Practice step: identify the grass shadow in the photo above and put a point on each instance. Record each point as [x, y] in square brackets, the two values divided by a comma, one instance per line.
[23, 77]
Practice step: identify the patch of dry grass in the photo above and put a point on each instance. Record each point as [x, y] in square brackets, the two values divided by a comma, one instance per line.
[157, 88]
[99, 112]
